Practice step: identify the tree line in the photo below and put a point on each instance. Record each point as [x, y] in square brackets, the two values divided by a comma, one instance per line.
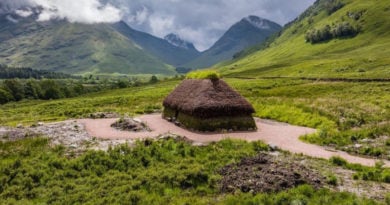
[17, 89]
[7, 72]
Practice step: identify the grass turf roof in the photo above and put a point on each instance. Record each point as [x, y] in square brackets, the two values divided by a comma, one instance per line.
[207, 98]
[203, 74]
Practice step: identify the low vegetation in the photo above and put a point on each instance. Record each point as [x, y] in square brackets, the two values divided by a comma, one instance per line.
[352, 116]
[162, 172]
[377, 173]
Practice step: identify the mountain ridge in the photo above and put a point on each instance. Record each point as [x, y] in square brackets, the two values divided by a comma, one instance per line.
[160, 48]
[239, 36]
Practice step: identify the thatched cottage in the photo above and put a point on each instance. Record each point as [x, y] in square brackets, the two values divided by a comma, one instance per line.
[208, 105]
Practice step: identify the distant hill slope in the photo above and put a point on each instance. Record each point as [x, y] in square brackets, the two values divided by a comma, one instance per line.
[248, 32]
[161, 48]
[73, 48]
[333, 38]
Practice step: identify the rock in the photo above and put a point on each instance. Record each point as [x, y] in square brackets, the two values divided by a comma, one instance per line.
[20, 126]
[366, 140]
[137, 120]
[129, 124]
[358, 145]
[273, 147]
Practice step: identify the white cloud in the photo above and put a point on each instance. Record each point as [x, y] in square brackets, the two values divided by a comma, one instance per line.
[84, 11]
[24, 12]
[80, 11]
[141, 16]
[161, 25]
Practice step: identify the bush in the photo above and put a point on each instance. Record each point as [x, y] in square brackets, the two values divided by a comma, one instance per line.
[338, 161]
[341, 30]
[332, 180]
[333, 6]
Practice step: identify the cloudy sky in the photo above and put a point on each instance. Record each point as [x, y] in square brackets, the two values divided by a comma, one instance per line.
[199, 21]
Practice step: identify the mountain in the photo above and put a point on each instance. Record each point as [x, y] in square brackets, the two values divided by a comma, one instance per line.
[175, 40]
[73, 48]
[248, 32]
[171, 50]
[337, 38]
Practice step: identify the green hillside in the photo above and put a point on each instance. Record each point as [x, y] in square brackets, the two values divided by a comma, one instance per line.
[74, 48]
[365, 55]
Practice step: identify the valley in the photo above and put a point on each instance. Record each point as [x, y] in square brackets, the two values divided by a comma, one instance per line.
[84, 116]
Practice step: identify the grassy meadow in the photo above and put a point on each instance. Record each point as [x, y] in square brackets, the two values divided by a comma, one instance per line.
[345, 113]
[151, 172]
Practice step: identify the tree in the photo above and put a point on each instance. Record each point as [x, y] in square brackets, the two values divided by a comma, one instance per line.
[153, 79]
[32, 89]
[15, 87]
[5, 96]
[51, 90]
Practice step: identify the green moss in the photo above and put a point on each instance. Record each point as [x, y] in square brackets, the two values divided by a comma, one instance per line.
[169, 113]
[203, 74]
[240, 123]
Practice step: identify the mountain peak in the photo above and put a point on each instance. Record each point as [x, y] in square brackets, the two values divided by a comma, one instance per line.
[175, 40]
[258, 22]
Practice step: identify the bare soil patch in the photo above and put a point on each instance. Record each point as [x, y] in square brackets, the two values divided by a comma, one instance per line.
[267, 173]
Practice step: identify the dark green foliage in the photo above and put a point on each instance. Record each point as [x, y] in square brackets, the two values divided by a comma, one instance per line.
[332, 6]
[153, 79]
[51, 90]
[338, 161]
[15, 88]
[326, 33]
[5, 96]
[33, 90]
[7, 72]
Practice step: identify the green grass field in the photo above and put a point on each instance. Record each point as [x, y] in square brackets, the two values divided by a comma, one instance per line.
[345, 113]
[162, 172]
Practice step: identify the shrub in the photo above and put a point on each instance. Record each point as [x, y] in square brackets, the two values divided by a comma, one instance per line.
[338, 161]
[326, 33]
[333, 6]
[332, 180]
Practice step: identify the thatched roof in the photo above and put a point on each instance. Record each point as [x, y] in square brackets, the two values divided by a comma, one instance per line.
[207, 98]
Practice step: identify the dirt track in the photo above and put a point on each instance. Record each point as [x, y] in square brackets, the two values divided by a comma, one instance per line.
[278, 134]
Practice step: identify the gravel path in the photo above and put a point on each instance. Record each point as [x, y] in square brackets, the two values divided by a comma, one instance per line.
[282, 135]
